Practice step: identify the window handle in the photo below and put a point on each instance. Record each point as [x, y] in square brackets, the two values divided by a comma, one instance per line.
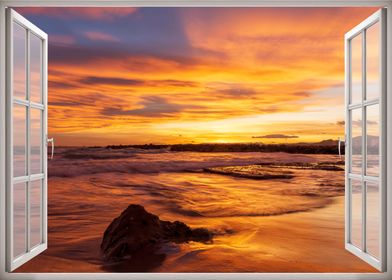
[51, 140]
[340, 140]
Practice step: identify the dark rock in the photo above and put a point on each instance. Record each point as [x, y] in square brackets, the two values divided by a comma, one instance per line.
[137, 230]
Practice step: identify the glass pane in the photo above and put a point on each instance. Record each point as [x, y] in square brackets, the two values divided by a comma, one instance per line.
[356, 69]
[356, 213]
[19, 215]
[373, 52]
[373, 140]
[35, 141]
[35, 68]
[35, 213]
[19, 57]
[372, 219]
[356, 141]
[19, 135]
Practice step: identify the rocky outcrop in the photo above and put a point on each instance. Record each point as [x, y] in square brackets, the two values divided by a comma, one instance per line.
[137, 230]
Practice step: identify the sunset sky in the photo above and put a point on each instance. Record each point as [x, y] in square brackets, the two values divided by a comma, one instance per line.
[193, 75]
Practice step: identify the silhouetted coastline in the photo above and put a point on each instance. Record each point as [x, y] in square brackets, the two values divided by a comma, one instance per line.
[323, 147]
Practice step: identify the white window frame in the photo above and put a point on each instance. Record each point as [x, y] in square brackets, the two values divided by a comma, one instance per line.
[192, 3]
[15, 18]
[376, 18]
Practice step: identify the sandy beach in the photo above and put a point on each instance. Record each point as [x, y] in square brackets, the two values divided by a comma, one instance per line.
[279, 225]
[299, 242]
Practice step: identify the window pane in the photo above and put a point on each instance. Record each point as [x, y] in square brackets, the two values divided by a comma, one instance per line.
[356, 213]
[372, 219]
[373, 53]
[356, 69]
[19, 137]
[35, 212]
[373, 140]
[35, 68]
[19, 215]
[356, 141]
[19, 57]
[35, 141]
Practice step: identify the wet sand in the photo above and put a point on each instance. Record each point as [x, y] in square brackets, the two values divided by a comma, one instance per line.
[279, 225]
[298, 242]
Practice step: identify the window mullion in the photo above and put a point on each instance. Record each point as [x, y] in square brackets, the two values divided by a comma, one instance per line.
[28, 127]
[364, 133]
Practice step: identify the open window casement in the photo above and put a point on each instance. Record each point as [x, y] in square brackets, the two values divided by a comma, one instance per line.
[26, 111]
[26, 140]
[365, 195]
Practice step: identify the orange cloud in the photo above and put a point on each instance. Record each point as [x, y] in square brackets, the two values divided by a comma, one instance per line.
[248, 72]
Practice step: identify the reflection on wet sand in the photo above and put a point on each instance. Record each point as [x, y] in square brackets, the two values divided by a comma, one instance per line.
[278, 225]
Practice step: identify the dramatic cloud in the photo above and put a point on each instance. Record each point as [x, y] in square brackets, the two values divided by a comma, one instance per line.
[231, 90]
[208, 74]
[111, 81]
[91, 80]
[151, 107]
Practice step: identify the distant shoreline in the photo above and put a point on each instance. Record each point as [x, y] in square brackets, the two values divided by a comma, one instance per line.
[323, 147]
[298, 148]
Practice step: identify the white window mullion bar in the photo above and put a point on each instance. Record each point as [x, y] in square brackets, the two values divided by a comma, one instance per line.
[36, 106]
[372, 179]
[44, 92]
[366, 178]
[21, 179]
[36, 177]
[21, 102]
[364, 133]
[28, 144]
[29, 103]
[355, 176]
[371, 102]
[347, 232]
[355, 106]
[349, 135]
[43, 141]
[383, 140]
[364, 103]
[9, 141]
[33, 177]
